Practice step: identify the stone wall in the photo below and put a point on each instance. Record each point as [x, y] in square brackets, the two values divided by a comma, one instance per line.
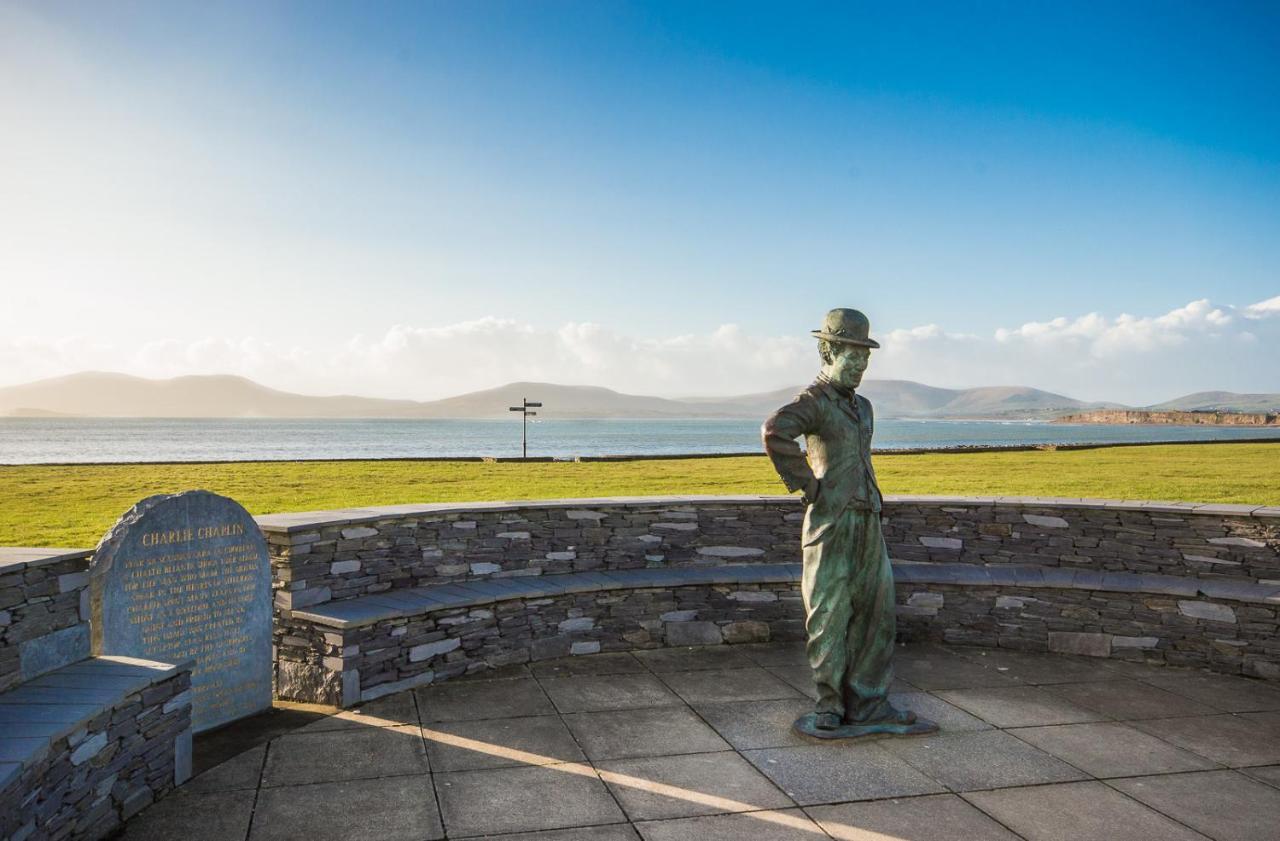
[326, 556]
[1186, 539]
[96, 776]
[400, 653]
[43, 611]
[1225, 635]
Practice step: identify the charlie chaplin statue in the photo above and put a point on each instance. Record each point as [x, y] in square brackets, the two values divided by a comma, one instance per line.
[847, 583]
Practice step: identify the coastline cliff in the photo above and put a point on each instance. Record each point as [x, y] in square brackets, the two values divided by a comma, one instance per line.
[1179, 418]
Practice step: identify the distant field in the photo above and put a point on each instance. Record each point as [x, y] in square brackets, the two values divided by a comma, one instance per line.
[73, 506]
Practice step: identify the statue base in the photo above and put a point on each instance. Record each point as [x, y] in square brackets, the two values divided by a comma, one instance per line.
[805, 726]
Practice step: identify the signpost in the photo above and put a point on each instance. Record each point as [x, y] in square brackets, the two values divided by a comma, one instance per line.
[526, 414]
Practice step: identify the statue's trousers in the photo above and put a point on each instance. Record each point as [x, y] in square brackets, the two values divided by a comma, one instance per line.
[849, 613]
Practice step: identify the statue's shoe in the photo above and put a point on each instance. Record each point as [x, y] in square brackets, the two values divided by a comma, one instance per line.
[827, 721]
[903, 723]
[902, 716]
[895, 716]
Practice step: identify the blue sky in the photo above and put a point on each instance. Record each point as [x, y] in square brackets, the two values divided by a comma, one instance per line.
[335, 196]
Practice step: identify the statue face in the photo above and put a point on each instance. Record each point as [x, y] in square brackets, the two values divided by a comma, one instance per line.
[848, 362]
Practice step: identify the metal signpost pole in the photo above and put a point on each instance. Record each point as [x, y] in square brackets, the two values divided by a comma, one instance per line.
[523, 409]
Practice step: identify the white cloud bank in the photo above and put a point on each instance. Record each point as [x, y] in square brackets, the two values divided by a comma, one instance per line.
[1131, 359]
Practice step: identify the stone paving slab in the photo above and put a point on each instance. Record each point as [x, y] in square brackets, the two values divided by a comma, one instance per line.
[1018, 706]
[654, 788]
[1111, 749]
[523, 799]
[934, 817]
[776, 653]
[1269, 774]
[813, 774]
[1224, 805]
[614, 663]
[750, 684]
[986, 759]
[528, 740]
[613, 832]
[947, 671]
[1125, 700]
[590, 693]
[195, 816]
[388, 809]
[468, 701]
[757, 724]
[654, 731]
[765, 825]
[948, 717]
[695, 658]
[344, 755]
[1232, 740]
[239, 773]
[387, 711]
[493, 746]
[1085, 811]
[1036, 669]
[1225, 692]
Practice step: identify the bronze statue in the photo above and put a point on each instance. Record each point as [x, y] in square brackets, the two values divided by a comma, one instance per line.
[847, 582]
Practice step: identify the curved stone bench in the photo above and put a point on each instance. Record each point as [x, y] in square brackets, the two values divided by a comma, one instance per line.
[86, 746]
[358, 649]
[1227, 625]
[351, 651]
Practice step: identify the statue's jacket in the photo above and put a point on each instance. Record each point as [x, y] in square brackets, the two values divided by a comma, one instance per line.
[837, 426]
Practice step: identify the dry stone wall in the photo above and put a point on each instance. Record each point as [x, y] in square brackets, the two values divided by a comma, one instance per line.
[44, 611]
[400, 653]
[1178, 629]
[90, 779]
[328, 556]
[1203, 541]
[971, 571]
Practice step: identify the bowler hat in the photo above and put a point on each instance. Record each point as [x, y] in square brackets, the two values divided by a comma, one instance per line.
[848, 326]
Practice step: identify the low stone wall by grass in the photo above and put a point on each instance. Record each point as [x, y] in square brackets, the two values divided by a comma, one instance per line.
[1137, 580]
[324, 556]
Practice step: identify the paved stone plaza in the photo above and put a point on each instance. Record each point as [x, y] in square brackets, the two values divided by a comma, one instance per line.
[674, 744]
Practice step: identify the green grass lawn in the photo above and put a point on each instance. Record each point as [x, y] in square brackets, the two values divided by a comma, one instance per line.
[73, 506]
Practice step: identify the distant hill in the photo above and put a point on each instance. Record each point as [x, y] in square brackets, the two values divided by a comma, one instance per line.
[1210, 401]
[24, 412]
[907, 399]
[98, 394]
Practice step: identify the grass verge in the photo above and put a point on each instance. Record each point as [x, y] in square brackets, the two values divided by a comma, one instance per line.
[74, 505]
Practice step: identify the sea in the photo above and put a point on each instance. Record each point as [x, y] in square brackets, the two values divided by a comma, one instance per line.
[95, 440]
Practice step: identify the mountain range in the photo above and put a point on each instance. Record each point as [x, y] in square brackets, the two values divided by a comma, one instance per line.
[99, 394]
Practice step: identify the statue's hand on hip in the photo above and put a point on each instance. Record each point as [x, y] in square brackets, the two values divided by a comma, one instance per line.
[812, 490]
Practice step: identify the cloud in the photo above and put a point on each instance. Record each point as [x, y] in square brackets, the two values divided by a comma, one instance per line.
[1263, 309]
[1126, 358]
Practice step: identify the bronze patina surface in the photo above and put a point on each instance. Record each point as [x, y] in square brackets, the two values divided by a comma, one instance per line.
[847, 582]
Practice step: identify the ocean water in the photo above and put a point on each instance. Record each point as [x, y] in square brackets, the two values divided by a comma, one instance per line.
[40, 440]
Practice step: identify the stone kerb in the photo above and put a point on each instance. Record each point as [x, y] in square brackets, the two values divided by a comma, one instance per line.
[44, 611]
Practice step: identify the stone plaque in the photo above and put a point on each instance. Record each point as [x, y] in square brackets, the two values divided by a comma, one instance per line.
[186, 577]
